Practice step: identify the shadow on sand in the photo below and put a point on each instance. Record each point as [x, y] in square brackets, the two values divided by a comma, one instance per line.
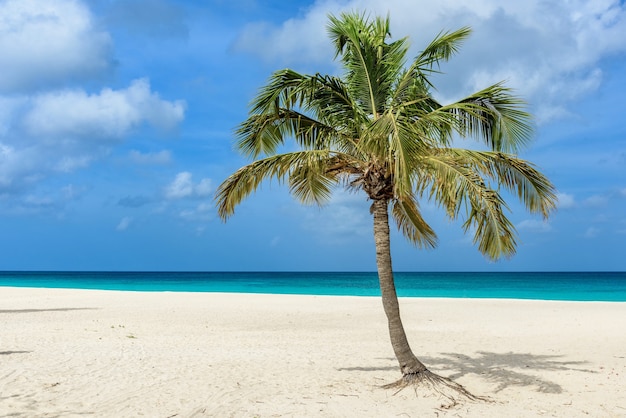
[17, 311]
[504, 369]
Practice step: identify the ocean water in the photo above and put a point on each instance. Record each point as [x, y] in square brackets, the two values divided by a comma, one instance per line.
[574, 286]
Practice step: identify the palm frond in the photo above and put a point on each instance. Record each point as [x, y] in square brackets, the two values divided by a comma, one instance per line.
[371, 63]
[455, 186]
[495, 116]
[518, 176]
[415, 229]
[399, 145]
[378, 129]
[260, 135]
[308, 166]
[311, 180]
[311, 109]
[278, 92]
[348, 33]
[493, 231]
[441, 48]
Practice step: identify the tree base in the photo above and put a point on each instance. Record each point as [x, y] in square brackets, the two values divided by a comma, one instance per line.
[431, 382]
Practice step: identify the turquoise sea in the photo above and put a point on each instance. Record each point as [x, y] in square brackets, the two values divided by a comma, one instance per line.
[574, 286]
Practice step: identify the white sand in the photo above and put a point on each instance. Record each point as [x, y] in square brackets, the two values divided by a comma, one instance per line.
[74, 353]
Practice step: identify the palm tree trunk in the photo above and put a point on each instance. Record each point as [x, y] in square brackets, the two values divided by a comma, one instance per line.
[409, 364]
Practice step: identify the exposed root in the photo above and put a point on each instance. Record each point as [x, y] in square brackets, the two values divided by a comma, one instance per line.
[439, 385]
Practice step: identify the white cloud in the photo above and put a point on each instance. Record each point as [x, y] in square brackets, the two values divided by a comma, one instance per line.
[550, 52]
[65, 130]
[183, 186]
[204, 188]
[44, 43]
[161, 157]
[566, 201]
[180, 187]
[20, 167]
[534, 225]
[204, 207]
[67, 163]
[111, 114]
[596, 201]
[47, 124]
[7, 156]
[345, 217]
[201, 212]
[124, 224]
[296, 39]
[38, 201]
[71, 192]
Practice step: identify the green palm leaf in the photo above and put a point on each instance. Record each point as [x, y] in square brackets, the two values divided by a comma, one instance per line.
[378, 129]
[307, 172]
[409, 220]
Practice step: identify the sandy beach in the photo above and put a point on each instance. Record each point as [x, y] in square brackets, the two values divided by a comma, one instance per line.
[71, 353]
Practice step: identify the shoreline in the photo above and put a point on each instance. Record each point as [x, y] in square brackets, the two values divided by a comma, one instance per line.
[215, 292]
[580, 286]
[119, 353]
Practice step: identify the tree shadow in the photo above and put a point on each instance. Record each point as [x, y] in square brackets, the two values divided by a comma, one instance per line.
[369, 369]
[26, 404]
[17, 311]
[6, 353]
[504, 369]
[507, 369]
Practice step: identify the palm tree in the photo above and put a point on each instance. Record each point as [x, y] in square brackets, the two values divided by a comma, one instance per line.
[379, 130]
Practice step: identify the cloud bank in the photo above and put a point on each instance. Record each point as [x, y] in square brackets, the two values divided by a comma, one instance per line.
[48, 125]
[183, 187]
[550, 52]
[48, 43]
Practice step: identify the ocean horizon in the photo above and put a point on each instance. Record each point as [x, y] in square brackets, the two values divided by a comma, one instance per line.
[568, 286]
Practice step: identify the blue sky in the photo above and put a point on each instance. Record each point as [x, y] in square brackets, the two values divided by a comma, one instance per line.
[116, 122]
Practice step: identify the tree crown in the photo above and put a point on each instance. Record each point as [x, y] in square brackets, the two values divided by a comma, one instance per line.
[379, 129]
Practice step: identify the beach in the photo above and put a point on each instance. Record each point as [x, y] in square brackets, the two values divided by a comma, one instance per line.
[71, 353]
